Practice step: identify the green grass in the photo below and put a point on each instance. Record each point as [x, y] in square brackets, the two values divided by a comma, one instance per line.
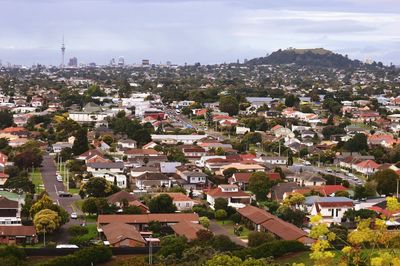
[77, 205]
[225, 223]
[74, 190]
[230, 227]
[37, 180]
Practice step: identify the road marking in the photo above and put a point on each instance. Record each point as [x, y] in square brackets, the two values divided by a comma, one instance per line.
[56, 189]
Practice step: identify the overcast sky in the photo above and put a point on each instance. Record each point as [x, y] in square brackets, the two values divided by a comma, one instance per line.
[206, 31]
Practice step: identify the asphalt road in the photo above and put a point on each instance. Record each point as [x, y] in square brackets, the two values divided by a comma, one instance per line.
[52, 186]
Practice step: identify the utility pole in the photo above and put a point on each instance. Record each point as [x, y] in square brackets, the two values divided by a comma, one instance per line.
[397, 191]
[150, 251]
[67, 179]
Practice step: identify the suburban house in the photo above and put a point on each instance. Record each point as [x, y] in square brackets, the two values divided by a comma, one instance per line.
[122, 235]
[9, 212]
[243, 167]
[134, 153]
[151, 180]
[112, 167]
[59, 146]
[120, 197]
[181, 201]
[175, 139]
[3, 160]
[141, 221]
[18, 235]
[367, 167]
[307, 179]
[261, 220]
[233, 194]
[187, 229]
[331, 209]
[127, 144]
[193, 153]
[120, 179]
[274, 160]
[194, 179]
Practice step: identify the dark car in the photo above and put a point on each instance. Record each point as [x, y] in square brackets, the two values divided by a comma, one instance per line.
[64, 194]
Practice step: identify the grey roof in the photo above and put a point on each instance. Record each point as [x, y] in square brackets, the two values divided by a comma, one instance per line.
[106, 165]
[194, 173]
[278, 190]
[312, 199]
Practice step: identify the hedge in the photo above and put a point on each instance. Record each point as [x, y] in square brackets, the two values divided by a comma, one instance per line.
[83, 257]
[271, 249]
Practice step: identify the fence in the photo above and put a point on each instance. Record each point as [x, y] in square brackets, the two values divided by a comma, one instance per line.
[66, 251]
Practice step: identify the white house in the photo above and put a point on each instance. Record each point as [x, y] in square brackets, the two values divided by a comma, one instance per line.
[120, 179]
[174, 139]
[233, 194]
[242, 130]
[59, 146]
[331, 209]
[112, 167]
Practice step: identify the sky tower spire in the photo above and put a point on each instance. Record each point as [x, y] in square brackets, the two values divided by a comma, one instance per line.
[62, 53]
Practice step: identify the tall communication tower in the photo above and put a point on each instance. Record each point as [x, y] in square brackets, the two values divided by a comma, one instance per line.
[62, 52]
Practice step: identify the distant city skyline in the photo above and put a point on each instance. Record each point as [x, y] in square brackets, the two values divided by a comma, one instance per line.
[189, 31]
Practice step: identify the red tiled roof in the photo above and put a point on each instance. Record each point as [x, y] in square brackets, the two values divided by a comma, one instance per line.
[368, 164]
[117, 232]
[273, 224]
[146, 218]
[218, 193]
[21, 230]
[187, 229]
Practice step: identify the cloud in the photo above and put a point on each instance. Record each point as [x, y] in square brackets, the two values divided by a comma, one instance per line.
[209, 31]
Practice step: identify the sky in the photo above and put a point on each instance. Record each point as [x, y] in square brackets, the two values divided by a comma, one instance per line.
[188, 31]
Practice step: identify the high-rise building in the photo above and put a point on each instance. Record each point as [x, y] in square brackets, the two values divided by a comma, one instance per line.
[62, 53]
[112, 62]
[73, 62]
[145, 62]
[121, 61]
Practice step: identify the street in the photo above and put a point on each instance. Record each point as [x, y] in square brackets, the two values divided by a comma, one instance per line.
[52, 186]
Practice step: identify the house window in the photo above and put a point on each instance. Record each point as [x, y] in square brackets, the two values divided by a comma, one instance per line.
[187, 204]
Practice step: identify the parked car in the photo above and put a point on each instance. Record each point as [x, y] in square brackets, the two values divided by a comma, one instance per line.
[59, 178]
[64, 194]
[66, 246]
[74, 215]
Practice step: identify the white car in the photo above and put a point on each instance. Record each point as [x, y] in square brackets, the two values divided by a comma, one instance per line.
[74, 215]
[59, 178]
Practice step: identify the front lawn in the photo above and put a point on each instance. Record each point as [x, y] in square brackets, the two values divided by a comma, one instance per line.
[37, 180]
[229, 225]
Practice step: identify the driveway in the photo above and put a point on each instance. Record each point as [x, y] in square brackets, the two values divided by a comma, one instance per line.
[219, 230]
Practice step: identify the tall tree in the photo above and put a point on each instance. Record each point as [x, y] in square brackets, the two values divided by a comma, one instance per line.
[46, 221]
[229, 104]
[260, 185]
[162, 204]
[6, 119]
[386, 181]
[81, 143]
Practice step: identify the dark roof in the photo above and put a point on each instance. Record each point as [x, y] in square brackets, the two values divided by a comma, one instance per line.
[118, 165]
[278, 190]
[120, 196]
[152, 176]
[117, 232]
[8, 204]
